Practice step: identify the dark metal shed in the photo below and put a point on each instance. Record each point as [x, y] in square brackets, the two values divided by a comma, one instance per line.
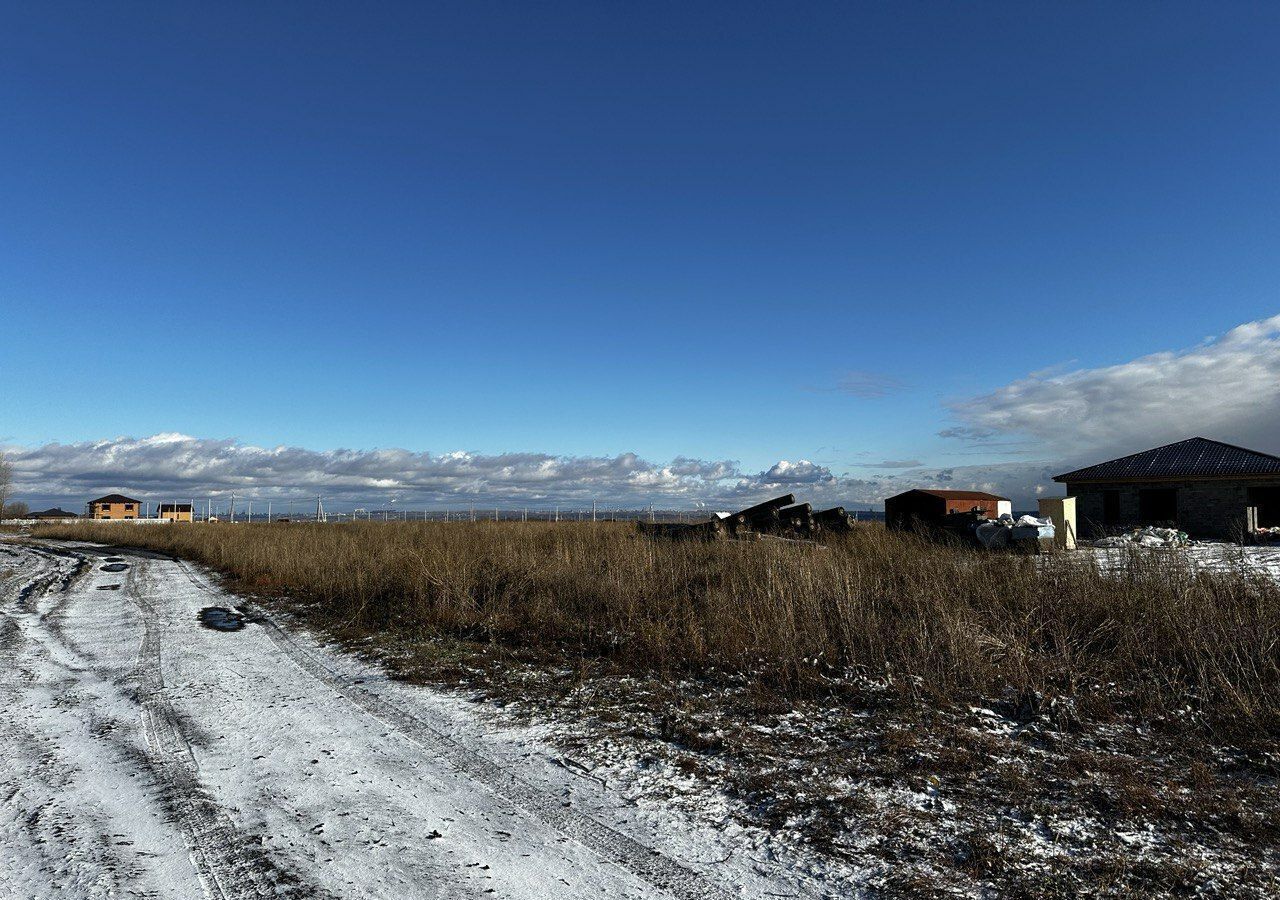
[929, 507]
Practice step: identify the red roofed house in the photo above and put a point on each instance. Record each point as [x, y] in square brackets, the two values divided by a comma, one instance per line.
[929, 507]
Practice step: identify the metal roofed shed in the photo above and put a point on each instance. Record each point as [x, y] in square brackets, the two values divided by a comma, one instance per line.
[1204, 487]
[926, 507]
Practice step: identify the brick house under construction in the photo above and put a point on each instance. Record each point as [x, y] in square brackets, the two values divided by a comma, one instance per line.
[1204, 487]
[174, 512]
[114, 506]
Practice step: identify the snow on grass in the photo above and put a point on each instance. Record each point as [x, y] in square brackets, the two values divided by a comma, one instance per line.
[1206, 556]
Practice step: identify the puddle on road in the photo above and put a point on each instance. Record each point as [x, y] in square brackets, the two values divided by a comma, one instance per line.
[108, 587]
[221, 619]
[113, 559]
[114, 567]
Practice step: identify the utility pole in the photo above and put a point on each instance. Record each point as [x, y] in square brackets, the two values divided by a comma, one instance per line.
[319, 510]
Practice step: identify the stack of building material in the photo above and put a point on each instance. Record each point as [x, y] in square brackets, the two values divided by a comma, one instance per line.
[834, 521]
[780, 517]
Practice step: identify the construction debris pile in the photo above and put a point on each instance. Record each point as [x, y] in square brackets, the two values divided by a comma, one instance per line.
[1146, 536]
[781, 517]
[1265, 535]
[1027, 532]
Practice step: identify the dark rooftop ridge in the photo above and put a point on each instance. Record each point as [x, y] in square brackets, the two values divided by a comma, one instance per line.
[1196, 457]
[115, 498]
[56, 512]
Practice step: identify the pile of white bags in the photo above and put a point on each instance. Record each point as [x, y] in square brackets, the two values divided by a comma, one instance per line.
[1146, 536]
[999, 532]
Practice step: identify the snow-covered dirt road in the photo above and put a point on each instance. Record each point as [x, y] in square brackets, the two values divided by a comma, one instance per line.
[149, 751]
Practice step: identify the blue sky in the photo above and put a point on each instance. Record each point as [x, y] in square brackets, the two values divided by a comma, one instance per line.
[741, 232]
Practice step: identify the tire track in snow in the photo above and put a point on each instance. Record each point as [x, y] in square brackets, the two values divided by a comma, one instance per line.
[50, 570]
[37, 773]
[13, 590]
[229, 868]
[20, 601]
[651, 865]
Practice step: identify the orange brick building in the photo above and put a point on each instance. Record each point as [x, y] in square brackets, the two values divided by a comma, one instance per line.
[174, 512]
[115, 506]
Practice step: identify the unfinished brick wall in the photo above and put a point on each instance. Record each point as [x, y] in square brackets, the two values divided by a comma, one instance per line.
[1208, 508]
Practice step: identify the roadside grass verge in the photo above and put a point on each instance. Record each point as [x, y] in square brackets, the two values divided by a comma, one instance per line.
[1154, 637]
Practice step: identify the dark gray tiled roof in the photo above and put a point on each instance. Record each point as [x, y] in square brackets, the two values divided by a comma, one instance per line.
[1197, 457]
[115, 498]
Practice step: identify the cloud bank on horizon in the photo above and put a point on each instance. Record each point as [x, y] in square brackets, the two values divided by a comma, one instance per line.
[181, 466]
[1224, 388]
[176, 464]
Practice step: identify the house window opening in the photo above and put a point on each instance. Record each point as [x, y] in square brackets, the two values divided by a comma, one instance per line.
[1267, 501]
[1158, 506]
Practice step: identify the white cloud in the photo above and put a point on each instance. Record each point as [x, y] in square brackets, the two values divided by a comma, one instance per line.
[1224, 388]
[800, 472]
[169, 466]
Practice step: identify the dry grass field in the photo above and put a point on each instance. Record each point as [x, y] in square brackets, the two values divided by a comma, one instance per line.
[946, 621]
[911, 719]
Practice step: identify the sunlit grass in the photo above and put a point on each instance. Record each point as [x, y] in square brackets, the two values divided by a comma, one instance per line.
[933, 619]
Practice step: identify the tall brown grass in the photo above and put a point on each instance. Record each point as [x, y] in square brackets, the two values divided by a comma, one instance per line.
[945, 620]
